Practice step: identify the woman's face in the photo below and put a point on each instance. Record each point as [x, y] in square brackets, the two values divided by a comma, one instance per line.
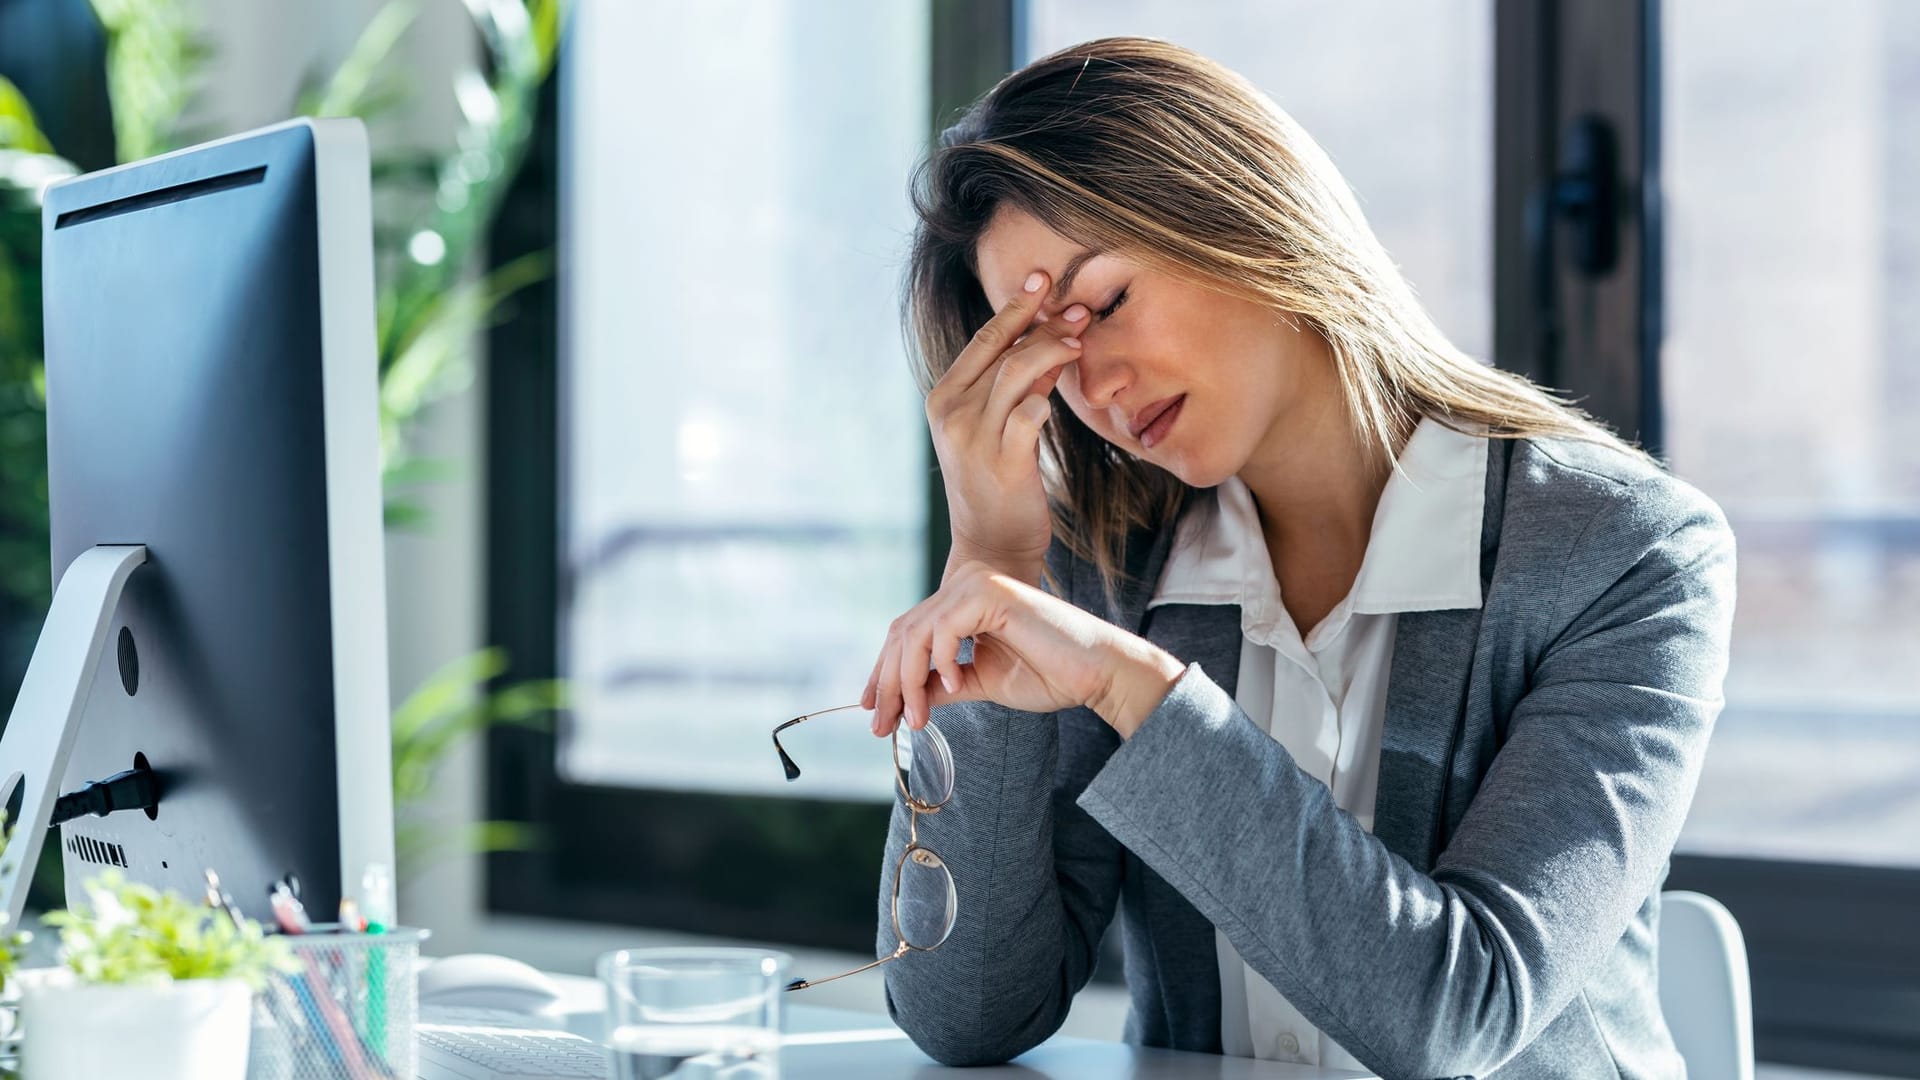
[1192, 380]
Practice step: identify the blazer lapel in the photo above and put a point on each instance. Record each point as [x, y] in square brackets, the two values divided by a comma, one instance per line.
[1204, 634]
[1426, 696]
[1427, 689]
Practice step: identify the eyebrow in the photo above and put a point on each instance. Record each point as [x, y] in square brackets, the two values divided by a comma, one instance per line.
[1065, 284]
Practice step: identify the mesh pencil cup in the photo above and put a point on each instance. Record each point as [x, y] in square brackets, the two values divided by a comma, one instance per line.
[346, 1012]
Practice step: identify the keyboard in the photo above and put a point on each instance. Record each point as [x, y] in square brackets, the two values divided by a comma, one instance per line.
[493, 1044]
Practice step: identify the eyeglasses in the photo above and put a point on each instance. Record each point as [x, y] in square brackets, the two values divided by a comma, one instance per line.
[923, 897]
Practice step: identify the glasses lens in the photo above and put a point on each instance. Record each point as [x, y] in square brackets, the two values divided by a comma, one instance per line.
[925, 766]
[923, 905]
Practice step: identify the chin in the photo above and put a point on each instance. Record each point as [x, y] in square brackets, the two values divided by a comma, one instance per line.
[1199, 474]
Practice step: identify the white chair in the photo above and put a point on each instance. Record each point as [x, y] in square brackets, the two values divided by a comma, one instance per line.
[1704, 990]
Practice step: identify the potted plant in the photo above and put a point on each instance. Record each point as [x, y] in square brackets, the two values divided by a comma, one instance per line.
[13, 945]
[170, 982]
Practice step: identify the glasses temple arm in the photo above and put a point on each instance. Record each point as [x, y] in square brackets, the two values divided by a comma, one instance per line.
[786, 762]
[801, 984]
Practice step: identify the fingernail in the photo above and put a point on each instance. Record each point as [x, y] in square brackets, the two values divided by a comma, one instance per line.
[1035, 280]
[1074, 313]
[947, 682]
[1073, 341]
[1039, 317]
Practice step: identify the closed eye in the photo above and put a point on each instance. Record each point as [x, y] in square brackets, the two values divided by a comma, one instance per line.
[1107, 311]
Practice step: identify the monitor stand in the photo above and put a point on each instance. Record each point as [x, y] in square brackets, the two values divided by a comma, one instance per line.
[53, 697]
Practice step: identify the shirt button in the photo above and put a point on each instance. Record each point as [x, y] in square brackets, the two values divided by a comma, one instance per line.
[1289, 1043]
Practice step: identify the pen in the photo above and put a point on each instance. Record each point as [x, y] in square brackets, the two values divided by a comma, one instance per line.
[376, 886]
[219, 900]
[344, 1040]
[287, 910]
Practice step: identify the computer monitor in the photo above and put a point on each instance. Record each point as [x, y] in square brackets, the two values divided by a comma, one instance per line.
[212, 404]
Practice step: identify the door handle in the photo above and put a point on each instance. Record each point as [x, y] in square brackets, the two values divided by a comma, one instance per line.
[1583, 197]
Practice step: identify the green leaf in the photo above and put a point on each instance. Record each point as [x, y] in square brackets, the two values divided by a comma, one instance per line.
[417, 757]
[482, 837]
[417, 844]
[404, 515]
[548, 18]
[18, 129]
[454, 705]
[419, 471]
[129, 933]
[389, 169]
[347, 93]
[431, 359]
[445, 689]
[155, 54]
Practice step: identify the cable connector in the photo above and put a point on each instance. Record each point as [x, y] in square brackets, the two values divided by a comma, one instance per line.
[135, 789]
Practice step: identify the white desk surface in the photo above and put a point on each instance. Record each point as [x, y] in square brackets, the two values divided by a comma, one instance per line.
[829, 1044]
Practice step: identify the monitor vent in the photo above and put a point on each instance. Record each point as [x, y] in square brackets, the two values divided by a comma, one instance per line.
[96, 851]
[146, 200]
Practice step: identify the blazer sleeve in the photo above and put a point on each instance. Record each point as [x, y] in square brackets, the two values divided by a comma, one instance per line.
[1568, 833]
[1037, 881]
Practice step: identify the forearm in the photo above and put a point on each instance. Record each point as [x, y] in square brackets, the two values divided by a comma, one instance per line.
[1492, 943]
[1311, 901]
[1139, 675]
[1026, 928]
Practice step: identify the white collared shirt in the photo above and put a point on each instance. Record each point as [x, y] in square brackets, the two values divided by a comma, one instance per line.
[1324, 696]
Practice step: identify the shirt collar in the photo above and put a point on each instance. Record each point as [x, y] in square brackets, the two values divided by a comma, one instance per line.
[1423, 553]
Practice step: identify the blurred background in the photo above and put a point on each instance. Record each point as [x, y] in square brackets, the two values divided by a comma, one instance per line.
[657, 475]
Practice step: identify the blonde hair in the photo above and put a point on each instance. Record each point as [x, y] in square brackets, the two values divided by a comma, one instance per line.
[1142, 147]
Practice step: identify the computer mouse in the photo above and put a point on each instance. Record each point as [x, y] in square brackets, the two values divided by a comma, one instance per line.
[485, 981]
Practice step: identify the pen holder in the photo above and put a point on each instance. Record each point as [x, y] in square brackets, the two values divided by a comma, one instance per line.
[345, 1013]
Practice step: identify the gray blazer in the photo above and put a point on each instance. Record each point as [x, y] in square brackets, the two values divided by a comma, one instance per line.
[1537, 759]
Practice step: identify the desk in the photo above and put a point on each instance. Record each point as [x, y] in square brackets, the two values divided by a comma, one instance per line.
[829, 1044]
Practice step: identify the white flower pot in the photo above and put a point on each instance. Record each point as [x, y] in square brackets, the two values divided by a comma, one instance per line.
[196, 1029]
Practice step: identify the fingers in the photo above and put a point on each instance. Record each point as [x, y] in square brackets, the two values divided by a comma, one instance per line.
[914, 647]
[1000, 332]
[1034, 368]
[886, 712]
[869, 696]
[1022, 433]
[930, 650]
[919, 665]
[945, 647]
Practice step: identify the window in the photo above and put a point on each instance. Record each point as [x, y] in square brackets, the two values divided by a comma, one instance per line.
[1792, 374]
[734, 217]
[708, 473]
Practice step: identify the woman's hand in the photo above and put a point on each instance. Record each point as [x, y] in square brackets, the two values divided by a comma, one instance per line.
[1031, 651]
[986, 414]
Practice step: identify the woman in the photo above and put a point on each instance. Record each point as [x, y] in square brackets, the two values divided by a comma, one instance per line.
[1370, 684]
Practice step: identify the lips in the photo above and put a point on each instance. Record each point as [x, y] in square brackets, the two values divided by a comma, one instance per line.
[1144, 419]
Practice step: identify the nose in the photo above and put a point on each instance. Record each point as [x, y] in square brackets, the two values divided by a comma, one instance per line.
[1102, 377]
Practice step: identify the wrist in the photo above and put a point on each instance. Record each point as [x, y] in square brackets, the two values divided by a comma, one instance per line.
[1139, 675]
[1027, 570]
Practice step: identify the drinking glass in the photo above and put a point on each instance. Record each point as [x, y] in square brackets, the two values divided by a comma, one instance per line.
[694, 1012]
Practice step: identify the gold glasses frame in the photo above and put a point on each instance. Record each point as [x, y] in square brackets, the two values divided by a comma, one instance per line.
[921, 855]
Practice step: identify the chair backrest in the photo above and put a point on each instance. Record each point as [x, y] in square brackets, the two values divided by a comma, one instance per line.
[1704, 990]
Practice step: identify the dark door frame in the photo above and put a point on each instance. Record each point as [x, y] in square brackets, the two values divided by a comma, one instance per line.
[1833, 950]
